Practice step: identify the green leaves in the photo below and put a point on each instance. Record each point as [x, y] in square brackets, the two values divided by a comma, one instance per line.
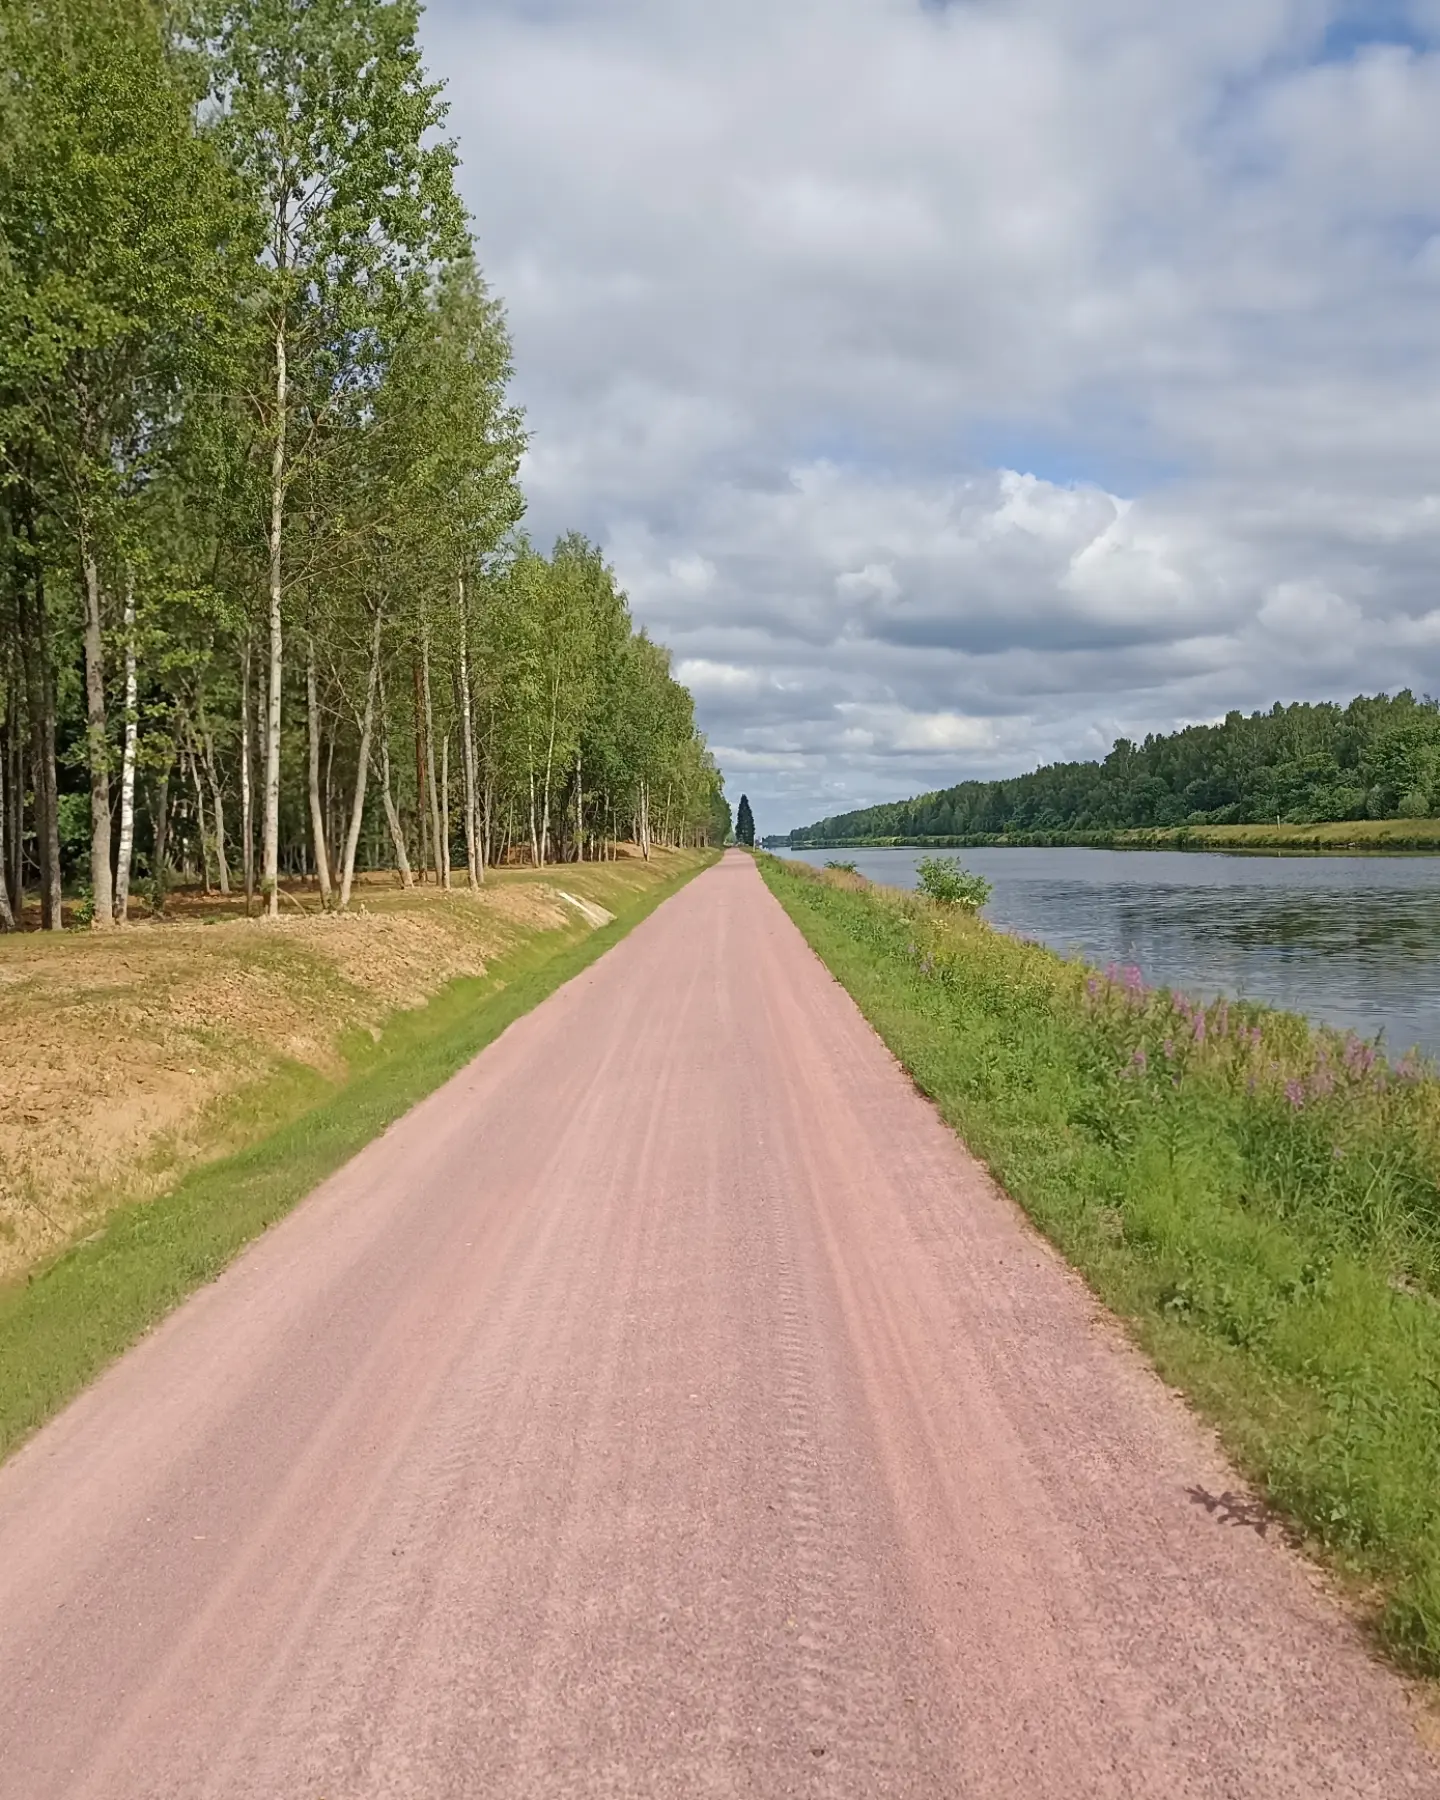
[326, 114]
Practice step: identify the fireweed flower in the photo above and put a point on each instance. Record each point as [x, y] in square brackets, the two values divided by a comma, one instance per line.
[1295, 1093]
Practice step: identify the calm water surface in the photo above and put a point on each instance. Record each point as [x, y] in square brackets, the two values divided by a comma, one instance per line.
[1351, 940]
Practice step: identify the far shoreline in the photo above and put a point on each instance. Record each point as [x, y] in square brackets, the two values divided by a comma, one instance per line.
[1353, 837]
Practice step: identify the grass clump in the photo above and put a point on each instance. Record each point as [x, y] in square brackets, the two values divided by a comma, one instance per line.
[1257, 1196]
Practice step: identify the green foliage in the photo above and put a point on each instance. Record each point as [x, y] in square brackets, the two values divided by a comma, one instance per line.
[1259, 1197]
[844, 868]
[745, 824]
[1378, 758]
[253, 409]
[946, 881]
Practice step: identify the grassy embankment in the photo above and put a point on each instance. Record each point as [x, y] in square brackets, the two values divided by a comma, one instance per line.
[1348, 834]
[167, 1094]
[1257, 1197]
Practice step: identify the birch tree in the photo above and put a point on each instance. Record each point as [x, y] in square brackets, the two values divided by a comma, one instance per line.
[328, 118]
[113, 210]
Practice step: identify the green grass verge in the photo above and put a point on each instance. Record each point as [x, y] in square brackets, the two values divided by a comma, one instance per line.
[70, 1318]
[1255, 1196]
[1412, 835]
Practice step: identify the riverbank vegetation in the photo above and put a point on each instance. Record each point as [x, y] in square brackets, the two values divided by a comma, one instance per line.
[265, 607]
[1346, 836]
[245, 1062]
[1375, 759]
[1259, 1198]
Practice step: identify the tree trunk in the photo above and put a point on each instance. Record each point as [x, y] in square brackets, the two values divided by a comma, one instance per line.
[392, 815]
[487, 824]
[442, 849]
[7, 916]
[41, 708]
[317, 816]
[270, 869]
[579, 811]
[392, 812]
[126, 857]
[97, 748]
[474, 852]
[445, 807]
[422, 814]
[328, 809]
[487, 835]
[362, 770]
[549, 770]
[14, 867]
[207, 743]
[247, 798]
[160, 833]
[190, 761]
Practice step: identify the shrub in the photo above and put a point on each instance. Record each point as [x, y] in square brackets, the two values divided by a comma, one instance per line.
[946, 881]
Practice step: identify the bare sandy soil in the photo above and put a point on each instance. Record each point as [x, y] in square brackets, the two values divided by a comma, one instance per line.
[668, 1407]
[119, 1052]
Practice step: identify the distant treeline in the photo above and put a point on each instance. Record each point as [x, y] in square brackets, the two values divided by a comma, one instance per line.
[1377, 758]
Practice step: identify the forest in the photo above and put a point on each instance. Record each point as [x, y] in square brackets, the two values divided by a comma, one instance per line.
[267, 609]
[1376, 758]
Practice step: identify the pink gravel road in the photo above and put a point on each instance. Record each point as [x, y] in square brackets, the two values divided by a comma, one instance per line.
[667, 1407]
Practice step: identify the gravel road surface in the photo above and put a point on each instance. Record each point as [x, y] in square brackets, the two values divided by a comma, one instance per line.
[667, 1407]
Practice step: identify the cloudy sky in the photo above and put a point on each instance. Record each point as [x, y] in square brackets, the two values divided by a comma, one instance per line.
[959, 386]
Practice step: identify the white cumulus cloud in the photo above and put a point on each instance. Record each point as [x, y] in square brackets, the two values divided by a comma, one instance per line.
[960, 385]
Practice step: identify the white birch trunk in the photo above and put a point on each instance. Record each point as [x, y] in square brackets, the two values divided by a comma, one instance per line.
[126, 858]
[549, 770]
[387, 793]
[247, 797]
[445, 809]
[270, 853]
[103, 910]
[317, 812]
[442, 849]
[474, 853]
[392, 816]
[362, 771]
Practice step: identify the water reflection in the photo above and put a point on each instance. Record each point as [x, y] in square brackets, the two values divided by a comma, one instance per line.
[1352, 940]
